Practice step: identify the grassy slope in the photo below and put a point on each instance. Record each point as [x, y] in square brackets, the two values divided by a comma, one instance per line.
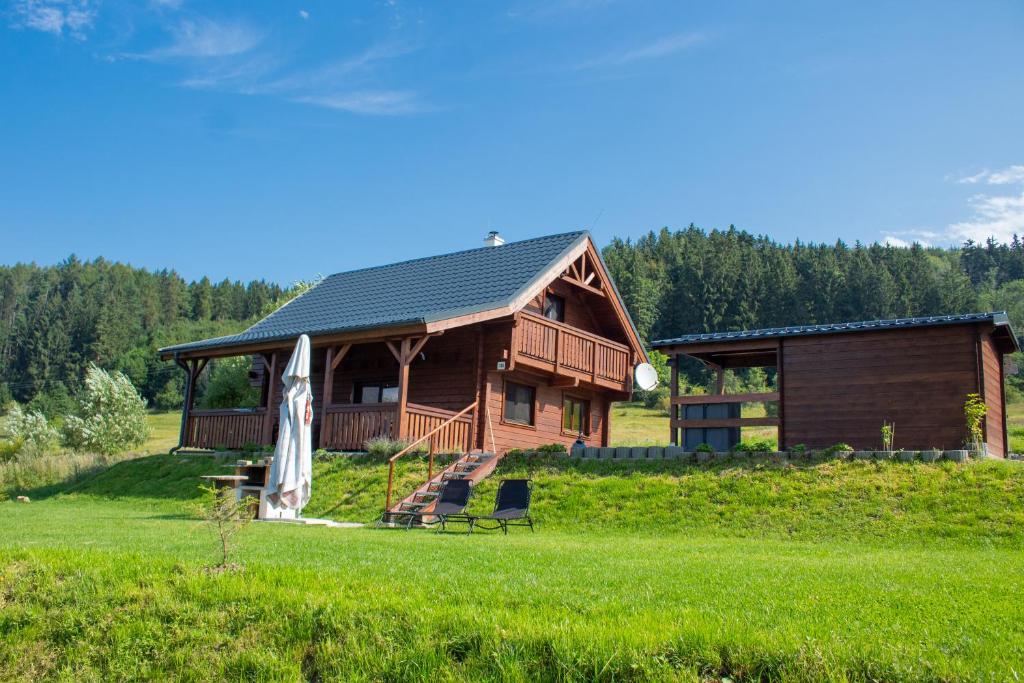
[835, 571]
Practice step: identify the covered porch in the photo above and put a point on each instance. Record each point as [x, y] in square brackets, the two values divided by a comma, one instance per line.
[362, 390]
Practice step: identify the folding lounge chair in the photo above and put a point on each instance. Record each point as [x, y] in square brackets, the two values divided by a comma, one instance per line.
[511, 507]
[450, 504]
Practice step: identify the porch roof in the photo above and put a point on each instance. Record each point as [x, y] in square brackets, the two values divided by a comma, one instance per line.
[420, 291]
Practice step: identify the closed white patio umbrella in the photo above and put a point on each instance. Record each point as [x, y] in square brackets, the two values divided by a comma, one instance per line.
[291, 473]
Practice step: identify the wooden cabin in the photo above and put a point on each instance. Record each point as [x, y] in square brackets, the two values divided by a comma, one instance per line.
[839, 383]
[514, 345]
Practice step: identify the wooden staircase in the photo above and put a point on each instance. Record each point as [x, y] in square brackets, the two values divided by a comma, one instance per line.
[472, 466]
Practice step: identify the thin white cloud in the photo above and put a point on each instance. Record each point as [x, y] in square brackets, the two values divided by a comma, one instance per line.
[1000, 217]
[378, 102]
[996, 214]
[974, 179]
[303, 14]
[58, 17]
[656, 49]
[343, 85]
[1008, 176]
[204, 38]
[893, 241]
[339, 74]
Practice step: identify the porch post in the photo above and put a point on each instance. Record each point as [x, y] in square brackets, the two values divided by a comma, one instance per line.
[403, 387]
[268, 417]
[476, 430]
[331, 363]
[192, 369]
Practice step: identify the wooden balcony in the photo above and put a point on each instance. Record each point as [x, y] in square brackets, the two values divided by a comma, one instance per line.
[349, 427]
[225, 428]
[570, 352]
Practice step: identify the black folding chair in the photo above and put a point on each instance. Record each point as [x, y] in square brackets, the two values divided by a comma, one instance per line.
[449, 506]
[511, 506]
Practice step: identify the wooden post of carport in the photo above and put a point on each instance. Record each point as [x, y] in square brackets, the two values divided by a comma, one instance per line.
[673, 407]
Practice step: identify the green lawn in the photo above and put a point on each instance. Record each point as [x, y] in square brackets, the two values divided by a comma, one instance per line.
[164, 428]
[638, 571]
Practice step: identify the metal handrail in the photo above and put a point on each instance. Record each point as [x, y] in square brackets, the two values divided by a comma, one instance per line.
[407, 449]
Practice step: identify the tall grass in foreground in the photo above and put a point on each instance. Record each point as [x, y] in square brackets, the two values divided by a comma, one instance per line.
[28, 473]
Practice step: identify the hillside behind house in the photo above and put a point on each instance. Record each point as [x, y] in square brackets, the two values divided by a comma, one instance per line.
[55, 319]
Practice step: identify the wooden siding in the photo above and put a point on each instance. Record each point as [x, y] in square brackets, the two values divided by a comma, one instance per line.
[992, 385]
[547, 426]
[842, 387]
[446, 380]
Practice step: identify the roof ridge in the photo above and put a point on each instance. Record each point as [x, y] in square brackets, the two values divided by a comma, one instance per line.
[453, 253]
[851, 325]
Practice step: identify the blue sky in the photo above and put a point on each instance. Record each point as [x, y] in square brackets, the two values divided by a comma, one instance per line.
[281, 140]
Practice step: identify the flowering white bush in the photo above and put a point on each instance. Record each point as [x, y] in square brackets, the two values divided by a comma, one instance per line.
[112, 415]
[30, 430]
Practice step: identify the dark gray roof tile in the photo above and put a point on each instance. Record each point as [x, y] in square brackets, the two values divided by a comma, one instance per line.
[423, 290]
[997, 318]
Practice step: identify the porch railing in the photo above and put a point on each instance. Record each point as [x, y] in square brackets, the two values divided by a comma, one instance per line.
[224, 428]
[349, 427]
[566, 350]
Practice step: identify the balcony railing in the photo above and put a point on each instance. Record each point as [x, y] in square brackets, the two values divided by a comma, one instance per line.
[564, 350]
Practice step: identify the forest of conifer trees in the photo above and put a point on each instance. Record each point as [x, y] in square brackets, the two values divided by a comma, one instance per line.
[55, 319]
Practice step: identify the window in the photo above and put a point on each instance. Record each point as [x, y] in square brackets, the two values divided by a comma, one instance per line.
[519, 403]
[575, 415]
[554, 308]
[376, 392]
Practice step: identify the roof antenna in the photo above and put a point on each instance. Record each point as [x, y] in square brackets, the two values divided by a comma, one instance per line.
[599, 214]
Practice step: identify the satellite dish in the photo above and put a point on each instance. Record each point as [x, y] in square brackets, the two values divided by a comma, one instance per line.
[646, 376]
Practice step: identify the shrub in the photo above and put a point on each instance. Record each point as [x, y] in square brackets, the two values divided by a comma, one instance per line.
[228, 386]
[172, 396]
[657, 398]
[704, 448]
[384, 447]
[974, 413]
[551, 448]
[29, 432]
[111, 414]
[838, 448]
[798, 448]
[54, 403]
[756, 445]
[227, 515]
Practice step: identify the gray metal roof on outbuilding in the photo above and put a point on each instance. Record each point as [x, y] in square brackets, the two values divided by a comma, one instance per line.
[423, 290]
[999, 319]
